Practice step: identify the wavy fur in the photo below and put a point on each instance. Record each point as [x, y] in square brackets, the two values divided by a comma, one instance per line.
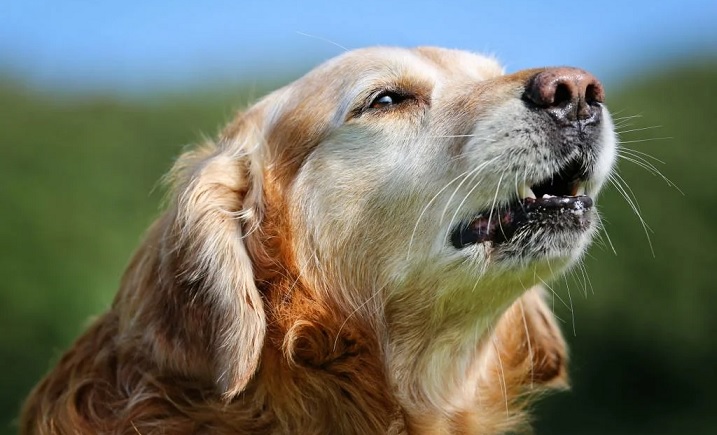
[275, 294]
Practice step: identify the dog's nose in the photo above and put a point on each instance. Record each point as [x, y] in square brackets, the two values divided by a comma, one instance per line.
[571, 95]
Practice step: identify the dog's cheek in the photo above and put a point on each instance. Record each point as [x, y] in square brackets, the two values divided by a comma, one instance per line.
[351, 204]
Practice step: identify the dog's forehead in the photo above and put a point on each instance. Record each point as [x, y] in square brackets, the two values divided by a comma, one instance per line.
[373, 64]
[476, 66]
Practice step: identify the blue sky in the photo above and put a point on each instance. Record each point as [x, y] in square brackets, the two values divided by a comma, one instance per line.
[158, 44]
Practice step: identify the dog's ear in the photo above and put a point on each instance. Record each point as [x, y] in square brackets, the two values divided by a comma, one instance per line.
[190, 290]
[530, 343]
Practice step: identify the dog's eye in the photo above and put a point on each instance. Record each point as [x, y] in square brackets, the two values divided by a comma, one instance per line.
[387, 98]
[381, 101]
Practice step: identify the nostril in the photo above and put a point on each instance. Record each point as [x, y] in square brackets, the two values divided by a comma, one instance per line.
[590, 94]
[594, 93]
[563, 95]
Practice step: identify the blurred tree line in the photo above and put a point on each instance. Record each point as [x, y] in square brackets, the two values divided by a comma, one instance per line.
[79, 185]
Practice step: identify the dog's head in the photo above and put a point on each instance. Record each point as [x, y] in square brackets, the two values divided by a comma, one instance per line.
[419, 192]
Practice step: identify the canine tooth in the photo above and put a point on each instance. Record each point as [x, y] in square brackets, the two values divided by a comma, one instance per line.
[524, 191]
[578, 189]
[548, 196]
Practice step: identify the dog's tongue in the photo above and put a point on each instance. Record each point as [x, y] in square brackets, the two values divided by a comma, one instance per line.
[485, 225]
[483, 228]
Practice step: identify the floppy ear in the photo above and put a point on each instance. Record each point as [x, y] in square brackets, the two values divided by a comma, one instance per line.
[190, 290]
[213, 207]
[530, 343]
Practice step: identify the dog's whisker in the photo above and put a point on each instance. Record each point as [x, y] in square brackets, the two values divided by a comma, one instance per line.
[465, 198]
[603, 230]
[453, 194]
[649, 168]
[621, 118]
[586, 278]
[572, 310]
[528, 339]
[495, 198]
[628, 195]
[425, 208]
[652, 127]
[623, 142]
[555, 294]
[502, 379]
[625, 149]
[356, 310]
[320, 38]
[452, 136]
[632, 157]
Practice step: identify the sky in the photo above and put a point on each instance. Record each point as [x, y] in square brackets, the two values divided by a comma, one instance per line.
[138, 46]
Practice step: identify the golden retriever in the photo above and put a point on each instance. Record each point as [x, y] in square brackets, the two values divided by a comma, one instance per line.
[357, 253]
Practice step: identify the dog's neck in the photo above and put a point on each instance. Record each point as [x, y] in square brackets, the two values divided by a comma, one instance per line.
[307, 343]
[437, 358]
[432, 388]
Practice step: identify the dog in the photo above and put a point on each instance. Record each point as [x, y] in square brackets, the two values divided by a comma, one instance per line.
[359, 252]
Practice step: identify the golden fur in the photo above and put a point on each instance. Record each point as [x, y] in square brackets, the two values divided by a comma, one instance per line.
[271, 297]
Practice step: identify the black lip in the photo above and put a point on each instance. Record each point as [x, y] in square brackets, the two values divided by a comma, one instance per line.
[581, 202]
[502, 224]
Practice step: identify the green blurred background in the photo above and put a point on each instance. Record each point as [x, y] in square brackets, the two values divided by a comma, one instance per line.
[79, 171]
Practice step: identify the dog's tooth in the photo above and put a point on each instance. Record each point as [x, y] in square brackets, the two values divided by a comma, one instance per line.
[578, 189]
[524, 191]
[530, 193]
[546, 196]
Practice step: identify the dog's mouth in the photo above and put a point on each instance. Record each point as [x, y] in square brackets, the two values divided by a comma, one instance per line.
[558, 202]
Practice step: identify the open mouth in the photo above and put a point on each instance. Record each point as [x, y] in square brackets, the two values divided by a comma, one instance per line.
[558, 202]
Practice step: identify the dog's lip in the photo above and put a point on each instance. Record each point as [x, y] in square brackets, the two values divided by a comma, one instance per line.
[500, 225]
